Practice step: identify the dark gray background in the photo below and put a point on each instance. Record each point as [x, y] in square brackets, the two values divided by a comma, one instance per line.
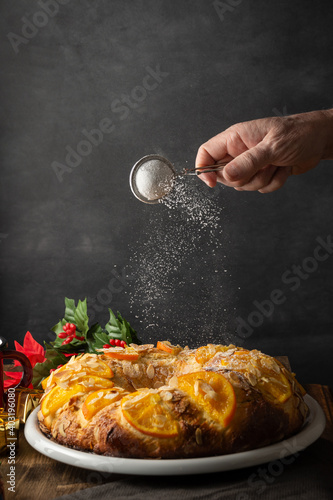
[261, 58]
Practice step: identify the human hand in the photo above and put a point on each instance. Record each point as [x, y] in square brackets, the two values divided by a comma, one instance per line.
[264, 153]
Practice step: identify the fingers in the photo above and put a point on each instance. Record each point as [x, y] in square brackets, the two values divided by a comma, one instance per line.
[274, 178]
[209, 178]
[259, 181]
[208, 154]
[250, 170]
[212, 151]
[205, 158]
[277, 181]
[246, 165]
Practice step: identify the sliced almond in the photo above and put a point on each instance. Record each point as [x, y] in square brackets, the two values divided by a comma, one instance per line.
[275, 367]
[235, 380]
[142, 348]
[61, 430]
[270, 364]
[212, 395]
[150, 371]
[159, 420]
[75, 366]
[167, 396]
[129, 369]
[198, 436]
[66, 423]
[63, 385]
[251, 378]
[50, 381]
[204, 386]
[173, 382]
[64, 375]
[93, 364]
[111, 395]
[127, 405]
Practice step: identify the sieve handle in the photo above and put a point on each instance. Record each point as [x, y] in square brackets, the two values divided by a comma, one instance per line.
[205, 170]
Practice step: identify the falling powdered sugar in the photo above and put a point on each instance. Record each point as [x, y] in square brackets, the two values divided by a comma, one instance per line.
[195, 209]
[179, 286]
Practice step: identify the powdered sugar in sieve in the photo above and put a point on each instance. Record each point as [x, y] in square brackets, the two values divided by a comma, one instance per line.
[152, 178]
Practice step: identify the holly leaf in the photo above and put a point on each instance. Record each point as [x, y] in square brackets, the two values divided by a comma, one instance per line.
[70, 310]
[95, 337]
[130, 331]
[81, 317]
[100, 338]
[59, 326]
[119, 328]
[90, 337]
[95, 328]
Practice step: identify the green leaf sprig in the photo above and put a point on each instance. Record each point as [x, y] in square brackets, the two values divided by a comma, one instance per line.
[93, 338]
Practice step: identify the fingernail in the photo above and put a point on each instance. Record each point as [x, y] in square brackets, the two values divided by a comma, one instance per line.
[209, 184]
[232, 172]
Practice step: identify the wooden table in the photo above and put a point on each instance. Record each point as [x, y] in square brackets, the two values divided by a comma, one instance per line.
[39, 477]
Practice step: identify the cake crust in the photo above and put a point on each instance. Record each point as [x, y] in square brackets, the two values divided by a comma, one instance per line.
[255, 402]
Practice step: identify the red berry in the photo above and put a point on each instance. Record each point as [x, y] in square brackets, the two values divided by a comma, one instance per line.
[122, 343]
[112, 342]
[65, 327]
[52, 370]
[62, 335]
[59, 366]
[67, 341]
[78, 337]
[106, 346]
[117, 342]
[72, 326]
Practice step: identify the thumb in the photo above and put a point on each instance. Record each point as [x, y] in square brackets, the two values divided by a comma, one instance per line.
[247, 164]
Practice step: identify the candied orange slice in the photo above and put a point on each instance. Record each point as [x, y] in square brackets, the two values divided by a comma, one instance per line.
[98, 368]
[166, 346]
[126, 354]
[206, 352]
[58, 396]
[44, 382]
[275, 387]
[212, 392]
[149, 414]
[97, 400]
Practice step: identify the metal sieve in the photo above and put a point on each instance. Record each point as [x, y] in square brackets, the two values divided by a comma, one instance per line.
[153, 177]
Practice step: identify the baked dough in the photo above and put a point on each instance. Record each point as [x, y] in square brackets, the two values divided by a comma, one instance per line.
[239, 400]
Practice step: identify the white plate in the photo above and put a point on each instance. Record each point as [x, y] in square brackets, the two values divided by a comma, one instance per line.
[310, 432]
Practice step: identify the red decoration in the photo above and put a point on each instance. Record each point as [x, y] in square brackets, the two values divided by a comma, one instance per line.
[34, 352]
